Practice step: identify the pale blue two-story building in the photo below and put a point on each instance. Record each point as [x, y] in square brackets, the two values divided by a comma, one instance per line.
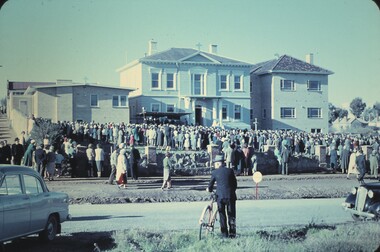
[203, 87]
[290, 94]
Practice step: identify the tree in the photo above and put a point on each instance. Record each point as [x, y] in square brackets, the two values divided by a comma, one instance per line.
[335, 112]
[376, 108]
[357, 107]
[45, 129]
[343, 113]
[332, 113]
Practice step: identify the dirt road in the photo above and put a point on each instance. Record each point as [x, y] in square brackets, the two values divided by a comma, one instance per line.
[297, 186]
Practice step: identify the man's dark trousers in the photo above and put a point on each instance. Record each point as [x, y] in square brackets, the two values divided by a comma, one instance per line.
[231, 212]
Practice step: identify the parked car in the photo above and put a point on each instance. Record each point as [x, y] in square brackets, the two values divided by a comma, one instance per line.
[364, 202]
[27, 206]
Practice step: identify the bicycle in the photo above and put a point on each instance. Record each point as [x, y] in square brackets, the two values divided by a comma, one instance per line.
[208, 218]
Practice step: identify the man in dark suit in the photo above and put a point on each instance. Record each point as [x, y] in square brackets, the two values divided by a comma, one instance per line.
[225, 195]
[134, 159]
[285, 155]
[17, 152]
[40, 158]
[360, 164]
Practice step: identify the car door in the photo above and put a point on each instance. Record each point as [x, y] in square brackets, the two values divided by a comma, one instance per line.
[39, 202]
[3, 193]
[16, 208]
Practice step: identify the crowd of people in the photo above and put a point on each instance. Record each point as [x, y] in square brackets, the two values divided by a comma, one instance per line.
[237, 145]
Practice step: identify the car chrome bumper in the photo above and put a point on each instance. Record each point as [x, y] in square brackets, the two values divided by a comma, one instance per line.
[362, 214]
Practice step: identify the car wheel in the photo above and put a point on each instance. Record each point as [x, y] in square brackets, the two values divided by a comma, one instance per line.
[356, 217]
[50, 230]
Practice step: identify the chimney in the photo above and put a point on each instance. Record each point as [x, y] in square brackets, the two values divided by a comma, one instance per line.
[310, 58]
[152, 47]
[213, 49]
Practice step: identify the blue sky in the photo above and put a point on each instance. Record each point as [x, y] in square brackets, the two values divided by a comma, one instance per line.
[46, 40]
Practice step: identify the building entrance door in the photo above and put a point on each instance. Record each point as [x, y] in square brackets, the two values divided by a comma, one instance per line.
[198, 115]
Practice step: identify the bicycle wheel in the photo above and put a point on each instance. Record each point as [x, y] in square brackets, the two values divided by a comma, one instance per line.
[213, 222]
[204, 222]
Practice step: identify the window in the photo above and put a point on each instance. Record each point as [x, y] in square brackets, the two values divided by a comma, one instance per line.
[237, 112]
[119, 101]
[198, 84]
[224, 112]
[223, 82]
[264, 114]
[170, 108]
[251, 114]
[155, 80]
[11, 185]
[237, 82]
[313, 85]
[287, 85]
[94, 101]
[32, 185]
[251, 87]
[155, 107]
[169, 81]
[316, 131]
[288, 113]
[314, 112]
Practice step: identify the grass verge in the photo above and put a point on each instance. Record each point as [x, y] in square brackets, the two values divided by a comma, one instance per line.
[363, 236]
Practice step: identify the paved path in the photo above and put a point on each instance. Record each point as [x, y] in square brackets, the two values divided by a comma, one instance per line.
[251, 214]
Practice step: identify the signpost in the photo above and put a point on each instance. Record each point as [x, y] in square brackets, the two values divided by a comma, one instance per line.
[257, 177]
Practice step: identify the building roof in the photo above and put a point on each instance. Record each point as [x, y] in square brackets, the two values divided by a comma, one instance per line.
[349, 120]
[287, 64]
[32, 89]
[23, 85]
[189, 56]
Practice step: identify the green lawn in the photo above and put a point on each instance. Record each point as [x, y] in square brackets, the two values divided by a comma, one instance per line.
[358, 236]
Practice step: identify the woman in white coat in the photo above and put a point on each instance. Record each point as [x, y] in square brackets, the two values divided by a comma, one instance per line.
[352, 164]
[121, 169]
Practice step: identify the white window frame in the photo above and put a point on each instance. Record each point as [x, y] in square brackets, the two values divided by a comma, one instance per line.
[292, 113]
[314, 82]
[226, 107]
[202, 83]
[226, 81]
[316, 130]
[240, 112]
[311, 115]
[154, 81]
[97, 101]
[284, 84]
[155, 104]
[119, 101]
[173, 80]
[240, 82]
[159, 74]
[170, 105]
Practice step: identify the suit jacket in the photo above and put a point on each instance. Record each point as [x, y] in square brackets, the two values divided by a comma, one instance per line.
[135, 156]
[285, 154]
[40, 156]
[360, 163]
[226, 183]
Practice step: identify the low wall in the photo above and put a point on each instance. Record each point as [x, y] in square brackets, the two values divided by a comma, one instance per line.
[18, 121]
[197, 163]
